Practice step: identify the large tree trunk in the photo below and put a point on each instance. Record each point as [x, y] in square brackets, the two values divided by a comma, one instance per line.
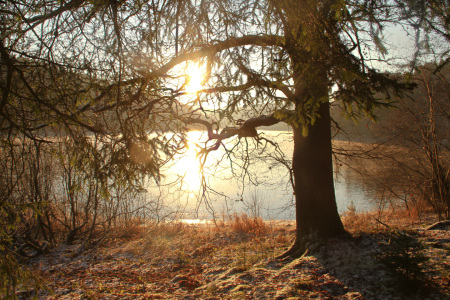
[316, 210]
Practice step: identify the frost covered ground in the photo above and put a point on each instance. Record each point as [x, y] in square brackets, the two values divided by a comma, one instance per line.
[178, 261]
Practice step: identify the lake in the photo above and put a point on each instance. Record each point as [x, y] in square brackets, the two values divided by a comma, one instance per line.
[245, 176]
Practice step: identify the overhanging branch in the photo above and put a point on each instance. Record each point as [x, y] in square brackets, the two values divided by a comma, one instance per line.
[246, 129]
[257, 40]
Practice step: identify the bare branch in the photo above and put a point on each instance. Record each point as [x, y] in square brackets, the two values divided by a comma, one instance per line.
[63, 8]
[258, 40]
[246, 129]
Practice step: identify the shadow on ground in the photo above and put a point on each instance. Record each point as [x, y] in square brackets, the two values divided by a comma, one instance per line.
[390, 265]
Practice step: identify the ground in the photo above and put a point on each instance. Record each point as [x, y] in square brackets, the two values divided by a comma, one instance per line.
[238, 260]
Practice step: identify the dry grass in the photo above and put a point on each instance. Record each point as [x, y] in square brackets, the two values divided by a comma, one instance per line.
[239, 241]
[181, 258]
[242, 224]
[397, 218]
[359, 222]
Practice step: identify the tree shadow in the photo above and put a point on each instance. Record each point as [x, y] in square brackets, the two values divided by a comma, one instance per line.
[381, 266]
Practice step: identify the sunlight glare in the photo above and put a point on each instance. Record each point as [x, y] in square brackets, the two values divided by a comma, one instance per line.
[189, 166]
[194, 221]
[195, 75]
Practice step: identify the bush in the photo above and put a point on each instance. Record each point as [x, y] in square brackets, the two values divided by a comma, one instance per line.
[16, 278]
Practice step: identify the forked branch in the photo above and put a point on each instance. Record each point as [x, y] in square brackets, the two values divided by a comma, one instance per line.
[245, 129]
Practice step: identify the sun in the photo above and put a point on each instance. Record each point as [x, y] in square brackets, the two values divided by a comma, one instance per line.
[195, 78]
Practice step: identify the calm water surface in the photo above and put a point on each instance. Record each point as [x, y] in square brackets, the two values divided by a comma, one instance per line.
[248, 177]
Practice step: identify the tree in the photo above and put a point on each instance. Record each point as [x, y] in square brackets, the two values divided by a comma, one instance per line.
[419, 127]
[429, 21]
[115, 68]
[311, 56]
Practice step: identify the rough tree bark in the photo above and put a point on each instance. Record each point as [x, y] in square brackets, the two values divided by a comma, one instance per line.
[317, 216]
[315, 202]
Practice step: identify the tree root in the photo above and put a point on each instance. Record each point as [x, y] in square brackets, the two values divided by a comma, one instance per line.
[295, 251]
[302, 247]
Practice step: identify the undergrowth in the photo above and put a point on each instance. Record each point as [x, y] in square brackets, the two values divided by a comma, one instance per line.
[196, 252]
[244, 225]
[240, 241]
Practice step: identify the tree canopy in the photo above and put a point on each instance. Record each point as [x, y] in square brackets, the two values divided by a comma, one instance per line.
[126, 56]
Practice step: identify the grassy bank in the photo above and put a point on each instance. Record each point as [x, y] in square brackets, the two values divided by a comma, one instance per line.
[236, 259]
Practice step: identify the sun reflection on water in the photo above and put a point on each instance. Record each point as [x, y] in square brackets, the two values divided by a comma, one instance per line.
[228, 193]
[189, 166]
[194, 221]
